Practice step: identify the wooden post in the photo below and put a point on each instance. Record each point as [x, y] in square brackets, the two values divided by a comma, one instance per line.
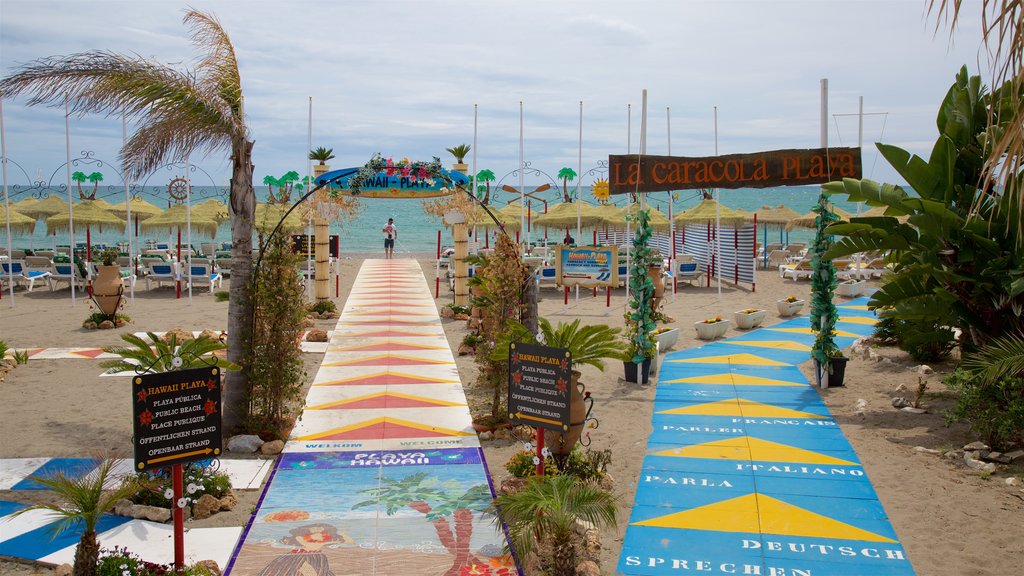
[322, 251]
[461, 234]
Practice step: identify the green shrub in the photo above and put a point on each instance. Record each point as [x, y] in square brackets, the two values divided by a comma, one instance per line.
[3, 349]
[582, 463]
[994, 410]
[21, 356]
[924, 340]
[323, 306]
[98, 317]
[222, 296]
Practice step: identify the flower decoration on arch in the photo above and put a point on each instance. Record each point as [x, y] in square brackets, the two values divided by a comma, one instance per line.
[429, 172]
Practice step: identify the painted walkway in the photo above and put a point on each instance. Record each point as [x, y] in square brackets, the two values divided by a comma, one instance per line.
[384, 473]
[746, 472]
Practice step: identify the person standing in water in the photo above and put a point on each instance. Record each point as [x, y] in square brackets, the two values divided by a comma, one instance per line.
[390, 233]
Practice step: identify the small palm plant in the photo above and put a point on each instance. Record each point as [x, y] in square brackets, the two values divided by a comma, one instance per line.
[547, 510]
[82, 503]
[165, 356]
[321, 154]
[460, 152]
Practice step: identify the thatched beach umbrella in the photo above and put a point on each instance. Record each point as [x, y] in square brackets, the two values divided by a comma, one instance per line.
[268, 215]
[879, 211]
[568, 214]
[177, 217]
[44, 208]
[89, 215]
[807, 220]
[140, 209]
[24, 203]
[19, 223]
[708, 212]
[213, 209]
[484, 221]
[617, 217]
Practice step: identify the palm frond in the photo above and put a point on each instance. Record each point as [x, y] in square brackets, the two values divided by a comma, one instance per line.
[1000, 357]
[218, 69]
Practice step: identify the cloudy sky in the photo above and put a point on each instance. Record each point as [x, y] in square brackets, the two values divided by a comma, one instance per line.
[402, 78]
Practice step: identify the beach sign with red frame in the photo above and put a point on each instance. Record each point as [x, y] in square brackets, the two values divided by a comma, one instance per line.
[177, 417]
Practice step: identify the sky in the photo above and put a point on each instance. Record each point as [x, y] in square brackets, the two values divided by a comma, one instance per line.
[402, 78]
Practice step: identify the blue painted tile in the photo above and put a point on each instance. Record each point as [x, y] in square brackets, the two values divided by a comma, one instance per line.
[797, 567]
[838, 482]
[10, 507]
[689, 490]
[41, 542]
[70, 467]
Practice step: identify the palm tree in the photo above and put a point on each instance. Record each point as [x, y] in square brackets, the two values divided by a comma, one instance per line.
[158, 355]
[269, 181]
[78, 178]
[547, 509]
[437, 501]
[459, 152]
[95, 178]
[567, 175]
[321, 154]
[486, 176]
[83, 501]
[179, 113]
[1002, 27]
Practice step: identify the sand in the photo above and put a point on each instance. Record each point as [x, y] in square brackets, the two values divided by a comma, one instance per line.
[950, 520]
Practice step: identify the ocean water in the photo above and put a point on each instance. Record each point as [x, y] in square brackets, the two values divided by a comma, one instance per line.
[418, 230]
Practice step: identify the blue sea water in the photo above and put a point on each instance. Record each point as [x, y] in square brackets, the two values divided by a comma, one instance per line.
[418, 230]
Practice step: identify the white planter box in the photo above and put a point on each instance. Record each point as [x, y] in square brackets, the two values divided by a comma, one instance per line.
[668, 339]
[851, 288]
[746, 321]
[787, 308]
[711, 330]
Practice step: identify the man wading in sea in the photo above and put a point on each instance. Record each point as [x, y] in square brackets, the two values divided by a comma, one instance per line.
[390, 233]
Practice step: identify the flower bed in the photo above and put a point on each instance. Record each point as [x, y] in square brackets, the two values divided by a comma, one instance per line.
[790, 306]
[711, 328]
[749, 318]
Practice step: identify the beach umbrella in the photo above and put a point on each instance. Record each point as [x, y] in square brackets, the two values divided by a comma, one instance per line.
[779, 216]
[565, 215]
[213, 209]
[879, 211]
[807, 220]
[24, 203]
[100, 203]
[177, 217]
[707, 212]
[268, 215]
[617, 216]
[44, 208]
[140, 210]
[19, 223]
[87, 214]
[485, 222]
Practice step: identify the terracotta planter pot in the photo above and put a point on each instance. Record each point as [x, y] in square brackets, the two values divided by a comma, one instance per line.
[107, 288]
[563, 443]
[654, 272]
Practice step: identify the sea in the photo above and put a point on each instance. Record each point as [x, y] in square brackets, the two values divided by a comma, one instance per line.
[418, 231]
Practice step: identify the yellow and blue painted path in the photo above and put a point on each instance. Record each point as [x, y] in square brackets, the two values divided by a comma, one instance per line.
[383, 473]
[746, 472]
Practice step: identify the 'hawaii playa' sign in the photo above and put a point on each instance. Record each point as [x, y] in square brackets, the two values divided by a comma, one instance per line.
[757, 170]
[381, 185]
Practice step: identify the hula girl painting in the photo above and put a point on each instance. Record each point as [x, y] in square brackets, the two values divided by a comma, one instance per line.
[305, 557]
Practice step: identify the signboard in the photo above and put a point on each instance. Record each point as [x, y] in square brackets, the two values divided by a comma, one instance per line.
[758, 170]
[587, 266]
[177, 417]
[384, 186]
[539, 378]
[302, 244]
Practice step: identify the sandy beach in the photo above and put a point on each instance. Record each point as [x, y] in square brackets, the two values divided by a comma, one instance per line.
[951, 520]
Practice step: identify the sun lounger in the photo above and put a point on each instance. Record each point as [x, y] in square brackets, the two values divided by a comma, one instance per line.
[801, 269]
[203, 275]
[546, 276]
[688, 271]
[16, 271]
[65, 272]
[161, 272]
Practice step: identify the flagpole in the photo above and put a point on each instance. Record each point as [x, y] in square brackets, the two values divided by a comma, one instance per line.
[128, 215]
[310, 281]
[188, 228]
[522, 184]
[718, 226]
[71, 210]
[671, 223]
[579, 166]
[7, 203]
[629, 149]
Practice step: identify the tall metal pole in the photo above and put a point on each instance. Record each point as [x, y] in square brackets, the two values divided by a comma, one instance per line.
[71, 209]
[522, 184]
[7, 203]
[671, 223]
[188, 228]
[128, 215]
[579, 201]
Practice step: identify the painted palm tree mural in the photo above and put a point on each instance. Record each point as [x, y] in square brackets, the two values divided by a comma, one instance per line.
[486, 176]
[285, 185]
[78, 178]
[446, 505]
[567, 175]
[269, 181]
[95, 178]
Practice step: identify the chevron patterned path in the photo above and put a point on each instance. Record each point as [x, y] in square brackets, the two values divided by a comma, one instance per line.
[383, 473]
[746, 472]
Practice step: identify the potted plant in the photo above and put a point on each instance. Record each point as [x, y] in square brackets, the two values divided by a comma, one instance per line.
[790, 306]
[460, 153]
[588, 345]
[108, 284]
[749, 318]
[851, 288]
[711, 328]
[640, 321]
[824, 314]
[666, 337]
